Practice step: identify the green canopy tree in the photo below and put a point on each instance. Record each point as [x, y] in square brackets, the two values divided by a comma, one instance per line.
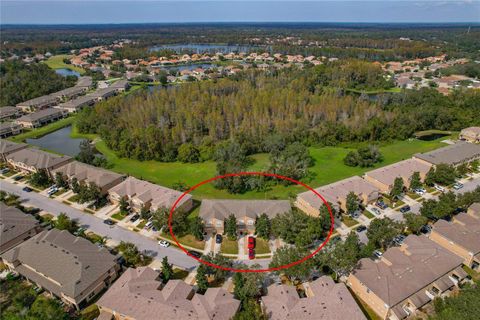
[353, 202]
[231, 227]
[414, 222]
[167, 270]
[397, 189]
[263, 226]
[415, 182]
[381, 232]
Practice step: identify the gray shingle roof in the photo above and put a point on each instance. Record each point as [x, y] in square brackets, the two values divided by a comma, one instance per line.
[453, 154]
[37, 158]
[8, 146]
[73, 263]
[403, 169]
[14, 223]
[38, 115]
[84, 172]
[138, 294]
[330, 300]
[221, 209]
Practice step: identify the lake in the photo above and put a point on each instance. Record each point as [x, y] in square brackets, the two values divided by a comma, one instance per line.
[205, 47]
[67, 72]
[58, 141]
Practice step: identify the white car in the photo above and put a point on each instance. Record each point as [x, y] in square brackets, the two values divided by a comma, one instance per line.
[439, 188]
[420, 192]
[164, 243]
[457, 186]
[377, 254]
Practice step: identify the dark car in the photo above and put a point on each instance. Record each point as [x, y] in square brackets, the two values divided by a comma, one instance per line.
[381, 205]
[109, 222]
[251, 254]
[27, 189]
[195, 254]
[361, 229]
[426, 229]
[17, 178]
[404, 209]
[134, 218]
[251, 242]
[218, 238]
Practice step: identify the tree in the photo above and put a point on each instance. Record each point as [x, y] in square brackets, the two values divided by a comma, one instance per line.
[397, 189]
[86, 154]
[445, 174]
[381, 232]
[444, 207]
[248, 284]
[75, 185]
[414, 222]
[124, 206]
[463, 306]
[462, 170]
[132, 256]
[167, 270]
[263, 226]
[188, 153]
[231, 227]
[63, 222]
[286, 255]
[250, 310]
[363, 157]
[40, 179]
[415, 182]
[160, 218]
[60, 180]
[231, 157]
[145, 213]
[292, 162]
[430, 177]
[352, 202]
[201, 278]
[196, 228]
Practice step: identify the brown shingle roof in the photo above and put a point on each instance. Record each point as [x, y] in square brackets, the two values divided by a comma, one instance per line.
[90, 174]
[403, 169]
[221, 209]
[138, 294]
[330, 300]
[14, 223]
[453, 154]
[8, 146]
[37, 158]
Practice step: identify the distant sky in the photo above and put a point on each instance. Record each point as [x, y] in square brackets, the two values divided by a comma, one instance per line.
[143, 11]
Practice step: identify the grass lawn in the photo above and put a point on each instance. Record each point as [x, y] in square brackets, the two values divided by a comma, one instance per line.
[74, 198]
[368, 214]
[118, 216]
[93, 237]
[472, 273]
[328, 168]
[413, 195]
[349, 221]
[261, 246]
[60, 191]
[179, 274]
[39, 132]
[229, 246]
[56, 62]
[188, 240]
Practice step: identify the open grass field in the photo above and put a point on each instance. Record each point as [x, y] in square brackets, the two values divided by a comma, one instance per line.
[328, 168]
[56, 62]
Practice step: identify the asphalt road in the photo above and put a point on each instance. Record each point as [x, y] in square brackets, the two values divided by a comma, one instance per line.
[95, 224]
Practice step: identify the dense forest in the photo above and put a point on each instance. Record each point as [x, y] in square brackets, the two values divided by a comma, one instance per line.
[251, 108]
[34, 79]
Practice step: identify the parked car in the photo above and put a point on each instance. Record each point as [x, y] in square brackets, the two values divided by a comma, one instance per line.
[27, 189]
[381, 205]
[195, 254]
[52, 191]
[134, 217]
[405, 209]
[457, 186]
[251, 242]
[377, 254]
[398, 240]
[164, 243]
[251, 254]
[4, 170]
[426, 229]
[376, 211]
[420, 191]
[17, 178]
[361, 228]
[439, 188]
[148, 225]
[218, 238]
[109, 222]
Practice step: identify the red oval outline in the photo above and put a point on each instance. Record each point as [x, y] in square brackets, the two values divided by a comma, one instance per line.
[332, 220]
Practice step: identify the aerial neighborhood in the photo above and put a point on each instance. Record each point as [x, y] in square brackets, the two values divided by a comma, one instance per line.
[240, 171]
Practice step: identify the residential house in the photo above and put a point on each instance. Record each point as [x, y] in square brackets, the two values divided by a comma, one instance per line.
[7, 147]
[70, 268]
[69, 93]
[38, 103]
[79, 103]
[324, 299]
[214, 212]
[87, 174]
[139, 295]
[336, 194]
[406, 277]
[41, 117]
[85, 82]
[471, 134]
[454, 154]
[32, 160]
[141, 193]
[384, 177]
[8, 129]
[9, 113]
[461, 235]
[15, 227]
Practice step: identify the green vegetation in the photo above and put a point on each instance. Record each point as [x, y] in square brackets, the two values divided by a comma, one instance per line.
[261, 246]
[40, 132]
[57, 62]
[229, 246]
[188, 240]
[118, 216]
[464, 306]
[349, 221]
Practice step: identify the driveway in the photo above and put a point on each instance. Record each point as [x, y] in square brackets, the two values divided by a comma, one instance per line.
[95, 224]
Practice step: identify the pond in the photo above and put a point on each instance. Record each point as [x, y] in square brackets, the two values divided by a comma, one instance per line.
[67, 72]
[205, 47]
[58, 141]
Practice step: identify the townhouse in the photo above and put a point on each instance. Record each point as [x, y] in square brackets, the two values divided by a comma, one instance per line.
[141, 193]
[38, 103]
[69, 93]
[87, 174]
[461, 235]
[15, 227]
[471, 134]
[384, 177]
[139, 295]
[32, 160]
[336, 194]
[41, 117]
[406, 277]
[68, 267]
[8, 129]
[324, 299]
[79, 103]
[9, 113]
[8, 147]
[454, 154]
[214, 213]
